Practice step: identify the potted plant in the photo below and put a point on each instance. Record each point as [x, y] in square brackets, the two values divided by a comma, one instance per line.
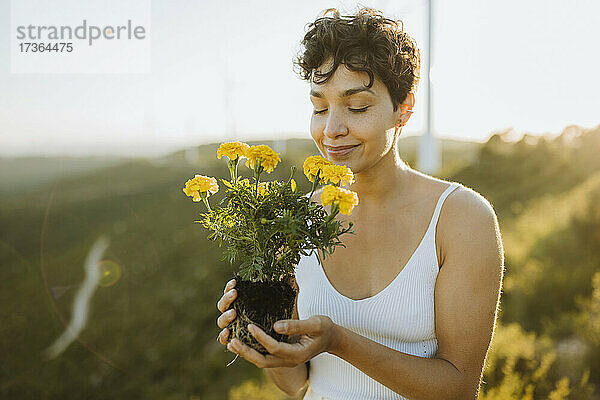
[264, 227]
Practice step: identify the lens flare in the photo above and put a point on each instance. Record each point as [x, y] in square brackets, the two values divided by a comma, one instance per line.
[110, 273]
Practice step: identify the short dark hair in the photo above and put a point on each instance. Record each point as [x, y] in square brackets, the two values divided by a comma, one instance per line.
[366, 41]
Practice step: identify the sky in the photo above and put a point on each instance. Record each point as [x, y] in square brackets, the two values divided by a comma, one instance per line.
[223, 71]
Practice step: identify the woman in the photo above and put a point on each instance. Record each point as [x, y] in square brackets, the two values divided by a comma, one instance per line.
[408, 308]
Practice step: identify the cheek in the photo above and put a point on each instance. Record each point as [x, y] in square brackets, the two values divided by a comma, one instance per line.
[315, 130]
[378, 136]
[385, 141]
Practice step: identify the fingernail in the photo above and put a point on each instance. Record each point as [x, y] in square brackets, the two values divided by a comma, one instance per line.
[280, 326]
[230, 282]
[251, 328]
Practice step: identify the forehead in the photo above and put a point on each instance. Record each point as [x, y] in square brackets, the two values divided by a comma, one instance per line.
[344, 82]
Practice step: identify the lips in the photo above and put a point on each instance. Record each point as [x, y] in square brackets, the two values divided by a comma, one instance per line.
[339, 151]
[340, 147]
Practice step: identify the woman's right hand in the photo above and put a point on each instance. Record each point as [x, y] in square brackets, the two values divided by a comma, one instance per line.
[229, 295]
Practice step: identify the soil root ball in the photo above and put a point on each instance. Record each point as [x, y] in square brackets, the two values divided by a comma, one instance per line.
[262, 304]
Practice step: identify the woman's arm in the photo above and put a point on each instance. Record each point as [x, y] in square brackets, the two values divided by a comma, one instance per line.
[467, 293]
[410, 376]
[290, 380]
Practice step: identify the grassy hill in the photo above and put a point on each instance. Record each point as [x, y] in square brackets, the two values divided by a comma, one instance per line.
[152, 333]
[24, 173]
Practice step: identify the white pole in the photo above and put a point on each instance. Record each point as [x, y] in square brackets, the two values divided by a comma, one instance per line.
[428, 159]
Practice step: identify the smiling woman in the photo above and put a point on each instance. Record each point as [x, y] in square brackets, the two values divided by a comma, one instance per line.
[407, 309]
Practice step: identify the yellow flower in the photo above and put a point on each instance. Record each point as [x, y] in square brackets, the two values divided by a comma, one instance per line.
[314, 165]
[268, 158]
[233, 150]
[344, 198]
[338, 173]
[200, 184]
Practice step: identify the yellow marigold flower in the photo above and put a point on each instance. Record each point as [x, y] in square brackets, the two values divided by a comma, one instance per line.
[233, 150]
[338, 173]
[314, 165]
[199, 184]
[268, 158]
[345, 199]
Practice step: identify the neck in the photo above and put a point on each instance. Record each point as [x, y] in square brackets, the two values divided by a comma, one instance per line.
[384, 181]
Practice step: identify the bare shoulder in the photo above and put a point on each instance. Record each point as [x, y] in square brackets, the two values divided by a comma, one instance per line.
[466, 206]
[467, 219]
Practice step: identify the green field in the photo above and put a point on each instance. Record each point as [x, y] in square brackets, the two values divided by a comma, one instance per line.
[151, 334]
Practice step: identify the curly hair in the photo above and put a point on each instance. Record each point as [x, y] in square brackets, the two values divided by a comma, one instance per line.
[367, 42]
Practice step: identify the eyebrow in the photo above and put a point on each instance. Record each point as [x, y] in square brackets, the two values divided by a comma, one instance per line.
[346, 93]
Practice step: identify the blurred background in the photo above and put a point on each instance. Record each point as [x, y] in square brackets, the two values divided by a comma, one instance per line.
[97, 161]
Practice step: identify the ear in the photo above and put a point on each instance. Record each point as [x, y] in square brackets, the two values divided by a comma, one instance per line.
[406, 109]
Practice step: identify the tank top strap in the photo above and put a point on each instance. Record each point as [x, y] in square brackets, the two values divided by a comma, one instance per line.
[440, 203]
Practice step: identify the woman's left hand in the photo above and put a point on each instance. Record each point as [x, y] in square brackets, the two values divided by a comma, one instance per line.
[317, 335]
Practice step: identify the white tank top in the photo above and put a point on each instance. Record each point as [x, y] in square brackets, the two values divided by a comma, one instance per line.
[401, 317]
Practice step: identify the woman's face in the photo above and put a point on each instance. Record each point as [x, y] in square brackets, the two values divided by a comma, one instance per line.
[351, 124]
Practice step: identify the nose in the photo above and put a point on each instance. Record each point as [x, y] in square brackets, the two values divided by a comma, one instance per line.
[335, 125]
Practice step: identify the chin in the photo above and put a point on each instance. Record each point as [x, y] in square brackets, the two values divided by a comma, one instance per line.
[348, 162]
[354, 165]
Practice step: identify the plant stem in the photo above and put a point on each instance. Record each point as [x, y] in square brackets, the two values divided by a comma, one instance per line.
[257, 170]
[293, 170]
[204, 197]
[315, 183]
[232, 164]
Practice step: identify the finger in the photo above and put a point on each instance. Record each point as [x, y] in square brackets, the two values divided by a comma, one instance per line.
[254, 356]
[223, 336]
[309, 326]
[229, 286]
[282, 350]
[226, 318]
[226, 300]
[282, 326]
[269, 343]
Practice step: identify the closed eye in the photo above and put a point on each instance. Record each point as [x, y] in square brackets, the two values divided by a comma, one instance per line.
[358, 110]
